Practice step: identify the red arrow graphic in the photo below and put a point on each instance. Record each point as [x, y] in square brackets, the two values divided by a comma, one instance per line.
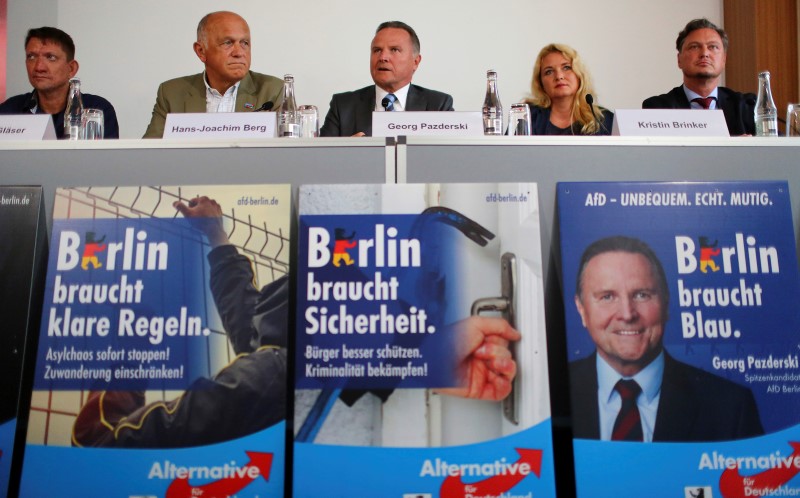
[180, 488]
[453, 487]
[732, 484]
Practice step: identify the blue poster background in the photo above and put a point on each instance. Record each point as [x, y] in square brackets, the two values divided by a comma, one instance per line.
[162, 294]
[362, 471]
[7, 430]
[51, 470]
[420, 291]
[666, 216]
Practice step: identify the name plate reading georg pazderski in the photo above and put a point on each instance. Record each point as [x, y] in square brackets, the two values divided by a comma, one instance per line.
[421, 123]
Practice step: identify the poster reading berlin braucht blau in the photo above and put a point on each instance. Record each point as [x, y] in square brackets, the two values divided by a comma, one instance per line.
[683, 333]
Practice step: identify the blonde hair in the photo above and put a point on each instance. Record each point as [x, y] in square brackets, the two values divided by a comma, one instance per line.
[581, 112]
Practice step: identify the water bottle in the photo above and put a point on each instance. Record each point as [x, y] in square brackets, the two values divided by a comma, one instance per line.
[73, 115]
[766, 112]
[288, 117]
[492, 108]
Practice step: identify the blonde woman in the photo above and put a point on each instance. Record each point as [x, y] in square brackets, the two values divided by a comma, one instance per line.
[559, 88]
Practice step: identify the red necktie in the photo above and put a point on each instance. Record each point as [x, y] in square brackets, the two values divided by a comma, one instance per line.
[628, 426]
[704, 101]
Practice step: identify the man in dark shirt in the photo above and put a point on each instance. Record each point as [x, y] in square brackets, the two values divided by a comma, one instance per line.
[50, 61]
[702, 52]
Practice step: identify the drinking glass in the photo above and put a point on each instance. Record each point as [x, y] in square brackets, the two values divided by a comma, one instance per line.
[92, 124]
[309, 121]
[519, 120]
[793, 120]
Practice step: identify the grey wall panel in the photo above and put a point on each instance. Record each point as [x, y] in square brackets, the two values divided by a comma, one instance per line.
[136, 162]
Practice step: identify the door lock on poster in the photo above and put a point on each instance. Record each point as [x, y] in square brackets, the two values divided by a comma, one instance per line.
[504, 306]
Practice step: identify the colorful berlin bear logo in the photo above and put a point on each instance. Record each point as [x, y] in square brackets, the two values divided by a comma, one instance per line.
[341, 245]
[90, 250]
[707, 253]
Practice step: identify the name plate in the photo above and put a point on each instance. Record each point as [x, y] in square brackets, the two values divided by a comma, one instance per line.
[669, 123]
[427, 123]
[27, 127]
[220, 125]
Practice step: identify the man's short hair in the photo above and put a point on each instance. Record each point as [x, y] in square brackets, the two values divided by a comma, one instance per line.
[620, 243]
[405, 27]
[201, 28]
[53, 35]
[203, 24]
[696, 24]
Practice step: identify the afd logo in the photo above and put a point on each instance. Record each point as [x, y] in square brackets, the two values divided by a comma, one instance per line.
[343, 248]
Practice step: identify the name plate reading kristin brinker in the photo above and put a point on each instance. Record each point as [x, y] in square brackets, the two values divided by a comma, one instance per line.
[27, 127]
[427, 123]
[669, 123]
[220, 125]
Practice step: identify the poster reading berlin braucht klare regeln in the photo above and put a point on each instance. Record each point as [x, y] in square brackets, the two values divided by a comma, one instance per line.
[420, 358]
[683, 332]
[161, 366]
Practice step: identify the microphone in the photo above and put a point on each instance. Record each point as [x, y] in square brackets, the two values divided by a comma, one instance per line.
[385, 103]
[266, 106]
[590, 101]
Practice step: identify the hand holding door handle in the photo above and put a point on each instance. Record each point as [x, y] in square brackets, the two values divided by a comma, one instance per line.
[485, 362]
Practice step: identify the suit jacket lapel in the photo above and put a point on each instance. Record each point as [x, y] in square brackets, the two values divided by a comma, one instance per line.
[680, 98]
[246, 95]
[677, 411]
[413, 100]
[732, 118]
[721, 100]
[363, 113]
[196, 100]
[583, 388]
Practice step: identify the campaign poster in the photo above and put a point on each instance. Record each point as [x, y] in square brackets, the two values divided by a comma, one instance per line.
[682, 330]
[161, 366]
[420, 351]
[21, 250]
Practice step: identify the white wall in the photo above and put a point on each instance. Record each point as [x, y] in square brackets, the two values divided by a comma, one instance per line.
[126, 49]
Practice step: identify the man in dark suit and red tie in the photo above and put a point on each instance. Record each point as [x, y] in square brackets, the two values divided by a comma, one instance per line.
[631, 389]
[394, 59]
[702, 52]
